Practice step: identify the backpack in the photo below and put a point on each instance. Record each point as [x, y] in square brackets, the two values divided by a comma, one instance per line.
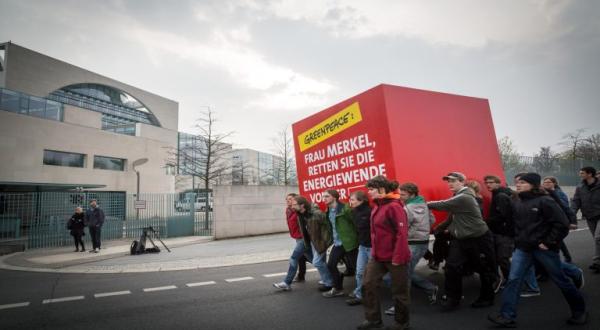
[136, 248]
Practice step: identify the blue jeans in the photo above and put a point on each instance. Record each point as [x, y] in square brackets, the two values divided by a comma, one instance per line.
[296, 255]
[530, 282]
[417, 252]
[319, 262]
[364, 254]
[558, 271]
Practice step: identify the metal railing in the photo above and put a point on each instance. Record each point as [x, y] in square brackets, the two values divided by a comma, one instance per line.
[565, 170]
[39, 219]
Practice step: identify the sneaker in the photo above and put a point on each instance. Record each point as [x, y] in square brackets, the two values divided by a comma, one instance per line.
[324, 288]
[594, 266]
[282, 286]
[502, 321]
[579, 281]
[76, 250]
[433, 297]
[333, 293]
[530, 293]
[353, 301]
[370, 325]
[82, 250]
[450, 304]
[351, 295]
[321, 282]
[579, 320]
[390, 311]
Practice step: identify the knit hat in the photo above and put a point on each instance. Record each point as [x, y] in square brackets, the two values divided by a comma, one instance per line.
[532, 178]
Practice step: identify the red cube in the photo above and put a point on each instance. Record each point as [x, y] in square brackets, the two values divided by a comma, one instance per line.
[406, 134]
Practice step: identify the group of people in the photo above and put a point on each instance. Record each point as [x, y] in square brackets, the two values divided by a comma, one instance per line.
[381, 235]
[93, 218]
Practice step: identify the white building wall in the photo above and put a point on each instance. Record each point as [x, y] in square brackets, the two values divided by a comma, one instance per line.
[24, 138]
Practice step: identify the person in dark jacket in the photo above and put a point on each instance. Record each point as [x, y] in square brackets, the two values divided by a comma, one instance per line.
[297, 259]
[550, 184]
[76, 225]
[472, 246]
[540, 225]
[361, 215]
[501, 225]
[94, 218]
[316, 233]
[389, 252]
[587, 199]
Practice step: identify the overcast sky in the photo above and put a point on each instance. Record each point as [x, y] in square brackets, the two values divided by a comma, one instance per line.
[262, 65]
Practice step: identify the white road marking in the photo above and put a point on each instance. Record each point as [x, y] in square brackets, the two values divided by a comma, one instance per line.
[311, 270]
[239, 279]
[110, 294]
[57, 300]
[191, 285]
[275, 274]
[160, 288]
[7, 306]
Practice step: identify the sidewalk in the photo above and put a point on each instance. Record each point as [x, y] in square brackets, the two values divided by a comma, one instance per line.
[191, 252]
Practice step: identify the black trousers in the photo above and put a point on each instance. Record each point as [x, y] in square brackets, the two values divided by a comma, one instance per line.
[78, 241]
[337, 253]
[441, 247]
[476, 254]
[302, 266]
[95, 233]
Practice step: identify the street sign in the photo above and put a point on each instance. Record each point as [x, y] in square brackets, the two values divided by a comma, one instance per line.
[139, 204]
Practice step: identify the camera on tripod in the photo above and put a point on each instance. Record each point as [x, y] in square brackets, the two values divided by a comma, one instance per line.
[139, 247]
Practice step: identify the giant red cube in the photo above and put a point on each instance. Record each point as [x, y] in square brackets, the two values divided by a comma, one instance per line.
[403, 133]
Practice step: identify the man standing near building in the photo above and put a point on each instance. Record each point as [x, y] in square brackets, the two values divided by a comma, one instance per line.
[94, 218]
[297, 259]
[587, 199]
[501, 225]
[345, 241]
[471, 247]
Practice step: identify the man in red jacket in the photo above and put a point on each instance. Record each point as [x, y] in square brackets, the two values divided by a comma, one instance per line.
[297, 259]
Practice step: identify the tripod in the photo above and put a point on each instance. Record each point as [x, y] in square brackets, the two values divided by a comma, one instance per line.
[146, 234]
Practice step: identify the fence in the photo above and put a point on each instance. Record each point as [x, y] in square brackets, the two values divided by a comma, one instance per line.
[38, 219]
[565, 170]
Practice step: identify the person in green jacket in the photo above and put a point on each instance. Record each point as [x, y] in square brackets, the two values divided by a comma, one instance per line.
[345, 241]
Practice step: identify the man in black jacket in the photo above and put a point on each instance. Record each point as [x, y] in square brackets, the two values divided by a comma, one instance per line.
[540, 225]
[94, 218]
[501, 225]
[587, 199]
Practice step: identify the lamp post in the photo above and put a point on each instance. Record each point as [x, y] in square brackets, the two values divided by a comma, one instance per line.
[138, 162]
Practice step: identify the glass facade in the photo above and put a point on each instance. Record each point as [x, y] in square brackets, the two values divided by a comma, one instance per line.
[109, 163]
[61, 158]
[30, 105]
[192, 153]
[115, 105]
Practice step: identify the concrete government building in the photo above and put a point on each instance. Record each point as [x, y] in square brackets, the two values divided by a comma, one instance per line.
[63, 128]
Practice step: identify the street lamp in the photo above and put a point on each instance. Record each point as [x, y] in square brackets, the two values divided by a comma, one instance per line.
[138, 162]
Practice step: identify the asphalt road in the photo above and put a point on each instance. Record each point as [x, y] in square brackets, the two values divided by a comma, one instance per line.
[241, 297]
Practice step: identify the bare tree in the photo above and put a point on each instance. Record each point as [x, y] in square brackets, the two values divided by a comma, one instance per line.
[580, 146]
[285, 165]
[545, 160]
[511, 159]
[573, 141]
[204, 155]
